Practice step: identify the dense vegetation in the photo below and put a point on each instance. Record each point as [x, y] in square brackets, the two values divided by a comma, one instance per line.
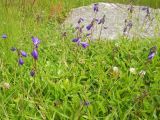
[107, 80]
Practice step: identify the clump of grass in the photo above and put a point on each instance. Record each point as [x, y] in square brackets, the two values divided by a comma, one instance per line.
[108, 80]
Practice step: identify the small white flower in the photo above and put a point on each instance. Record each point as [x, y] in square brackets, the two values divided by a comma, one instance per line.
[115, 70]
[142, 73]
[6, 85]
[132, 70]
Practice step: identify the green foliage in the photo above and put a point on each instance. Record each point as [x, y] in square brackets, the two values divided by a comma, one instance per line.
[69, 76]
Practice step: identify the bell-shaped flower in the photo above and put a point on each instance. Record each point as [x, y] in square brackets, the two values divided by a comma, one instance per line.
[89, 26]
[35, 54]
[95, 8]
[24, 54]
[36, 41]
[4, 36]
[32, 73]
[76, 40]
[20, 61]
[84, 44]
[151, 55]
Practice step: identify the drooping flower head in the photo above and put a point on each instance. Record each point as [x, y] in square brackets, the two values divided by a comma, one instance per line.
[76, 40]
[36, 41]
[35, 54]
[152, 53]
[4, 36]
[95, 7]
[80, 20]
[84, 44]
[91, 24]
[24, 54]
[32, 73]
[13, 49]
[20, 61]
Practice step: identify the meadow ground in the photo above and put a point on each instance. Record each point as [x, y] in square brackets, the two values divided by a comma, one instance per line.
[71, 82]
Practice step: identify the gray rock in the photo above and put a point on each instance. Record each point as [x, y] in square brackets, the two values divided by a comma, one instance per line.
[138, 23]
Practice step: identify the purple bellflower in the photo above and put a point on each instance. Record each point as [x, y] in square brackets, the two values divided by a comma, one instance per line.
[84, 44]
[24, 54]
[89, 27]
[36, 41]
[76, 40]
[152, 52]
[20, 61]
[151, 55]
[95, 7]
[80, 20]
[4, 36]
[91, 24]
[32, 73]
[35, 54]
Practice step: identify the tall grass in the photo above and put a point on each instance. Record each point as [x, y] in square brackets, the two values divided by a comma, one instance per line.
[71, 82]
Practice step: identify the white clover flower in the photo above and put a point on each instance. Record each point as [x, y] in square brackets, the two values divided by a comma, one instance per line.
[6, 85]
[132, 70]
[142, 73]
[115, 69]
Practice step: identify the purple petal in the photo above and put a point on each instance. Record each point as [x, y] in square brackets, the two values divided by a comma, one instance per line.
[75, 40]
[36, 41]
[35, 54]
[89, 27]
[32, 73]
[84, 44]
[21, 62]
[95, 8]
[24, 54]
[151, 55]
[80, 20]
[4, 36]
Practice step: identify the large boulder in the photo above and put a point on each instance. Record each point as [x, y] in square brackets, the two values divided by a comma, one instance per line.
[120, 20]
